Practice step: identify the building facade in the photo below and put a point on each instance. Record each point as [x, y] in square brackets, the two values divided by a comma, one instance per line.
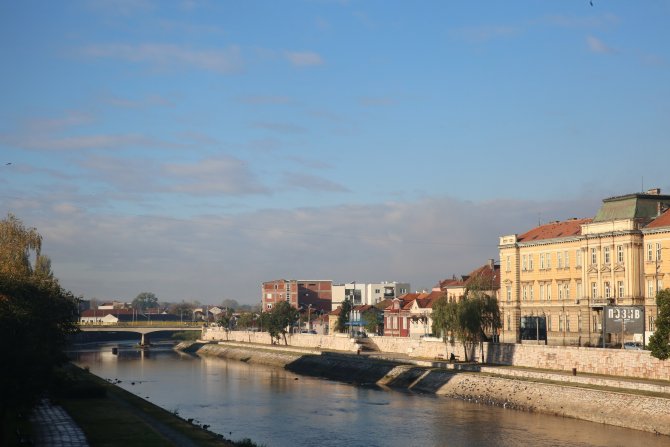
[565, 274]
[367, 293]
[314, 294]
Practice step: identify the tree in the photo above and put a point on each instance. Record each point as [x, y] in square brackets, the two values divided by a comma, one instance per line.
[16, 245]
[232, 304]
[467, 320]
[36, 318]
[183, 309]
[225, 319]
[145, 300]
[246, 320]
[658, 342]
[372, 319]
[280, 319]
[343, 317]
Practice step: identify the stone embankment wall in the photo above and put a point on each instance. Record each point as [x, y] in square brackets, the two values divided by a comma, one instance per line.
[328, 342]
[611, 362]
[646, 413]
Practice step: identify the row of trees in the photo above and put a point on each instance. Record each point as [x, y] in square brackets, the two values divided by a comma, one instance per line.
[36, 317]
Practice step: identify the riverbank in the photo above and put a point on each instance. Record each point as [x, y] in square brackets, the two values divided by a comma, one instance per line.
[630, 409]
[100, 408]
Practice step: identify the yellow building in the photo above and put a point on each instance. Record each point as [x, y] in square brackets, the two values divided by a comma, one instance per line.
[563, 274]
[656, 263]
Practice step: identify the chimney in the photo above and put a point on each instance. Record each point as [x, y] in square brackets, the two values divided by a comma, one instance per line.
[491, 264]
[654, 191]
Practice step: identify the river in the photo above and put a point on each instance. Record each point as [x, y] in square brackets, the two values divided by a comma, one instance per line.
[278, 408]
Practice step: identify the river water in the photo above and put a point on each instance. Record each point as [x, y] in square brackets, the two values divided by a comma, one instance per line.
[278, 408]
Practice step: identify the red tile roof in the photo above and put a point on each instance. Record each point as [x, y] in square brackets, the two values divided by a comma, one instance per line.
[487, 275]
[661, 221]
[555, 230]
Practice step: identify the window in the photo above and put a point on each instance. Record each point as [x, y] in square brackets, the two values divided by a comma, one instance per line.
[524, 292]
[509, 323]
[650, 252]
[549, 322]
[619, 254]
[378, 290]
[549, 292]
[559, 260]
[608, 291]
[594, 290]
[560, 323]
[594, 256]
[620, 289]
[541, 261]
[579, 323]
[560, 291]
[532, 291]
[595, 323]
[507, 264]
[566, 259]
[650, 288]
[651, 323]
[269, 306]
[567, 290]
[658, 251]
[530, 262]
[567, 323]
[524, 263]
[578, 258]
[541, 292]
[548, 260]
[580, 292]
[607, 255]
[509, 294]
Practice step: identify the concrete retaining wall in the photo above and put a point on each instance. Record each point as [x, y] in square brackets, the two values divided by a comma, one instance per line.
[611, 362]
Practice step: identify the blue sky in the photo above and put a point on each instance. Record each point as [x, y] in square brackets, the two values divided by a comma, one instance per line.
[197, 148]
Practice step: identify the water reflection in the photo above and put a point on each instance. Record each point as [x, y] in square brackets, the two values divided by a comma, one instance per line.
[279, 408]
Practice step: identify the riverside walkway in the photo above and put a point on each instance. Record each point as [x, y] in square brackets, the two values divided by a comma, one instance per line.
[53, 427]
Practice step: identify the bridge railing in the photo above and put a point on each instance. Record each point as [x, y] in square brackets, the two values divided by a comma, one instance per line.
[143, 324]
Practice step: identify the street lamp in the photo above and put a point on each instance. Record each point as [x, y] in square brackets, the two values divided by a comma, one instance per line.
[309, 314]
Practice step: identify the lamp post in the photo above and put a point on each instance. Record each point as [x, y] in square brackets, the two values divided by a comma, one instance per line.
[309, 320]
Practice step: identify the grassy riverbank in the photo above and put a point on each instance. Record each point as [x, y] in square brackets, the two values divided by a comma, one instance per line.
[111, 416]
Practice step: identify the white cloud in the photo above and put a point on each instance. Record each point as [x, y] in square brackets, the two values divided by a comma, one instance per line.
[312, 182]
[226, 256]
[598, 46]
[303, 58]
[225, 175]
[82, 142]
[168, 56]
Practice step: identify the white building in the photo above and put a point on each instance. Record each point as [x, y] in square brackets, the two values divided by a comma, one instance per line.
[367, 293]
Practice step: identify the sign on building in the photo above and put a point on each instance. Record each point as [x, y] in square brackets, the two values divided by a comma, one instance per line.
[624, 319]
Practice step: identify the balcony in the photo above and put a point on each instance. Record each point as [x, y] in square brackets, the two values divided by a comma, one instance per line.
[600, 302]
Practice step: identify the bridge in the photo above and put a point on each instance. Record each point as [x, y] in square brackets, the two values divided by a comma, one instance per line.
[140, 328]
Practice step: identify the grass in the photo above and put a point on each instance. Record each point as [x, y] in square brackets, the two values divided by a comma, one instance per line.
[119, 417]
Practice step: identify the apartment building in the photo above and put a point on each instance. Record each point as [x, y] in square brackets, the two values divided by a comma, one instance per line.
[367, 293]
[560, 277]
[316, 294]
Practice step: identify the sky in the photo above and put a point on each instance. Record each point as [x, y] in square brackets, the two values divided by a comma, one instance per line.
[194, 149]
